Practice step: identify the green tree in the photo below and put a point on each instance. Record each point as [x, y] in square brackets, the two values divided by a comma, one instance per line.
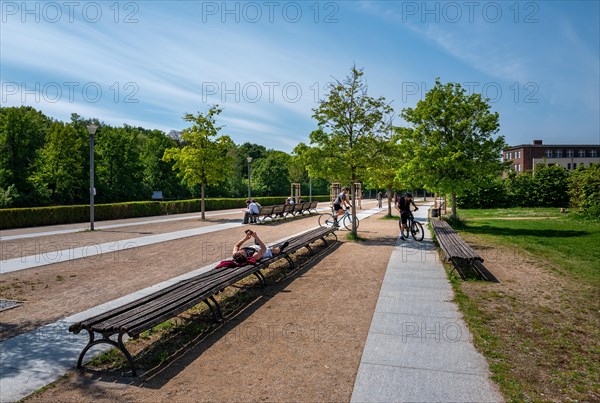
[584, 189]
[157, 173]
[59, 168]
[118, 166]
[450, 145]
[22, 131]
[351, 123]
[551, 186]
[270, 175]
[383, 172]
[203, 160]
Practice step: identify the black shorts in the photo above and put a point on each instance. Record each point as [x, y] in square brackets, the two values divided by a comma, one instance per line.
[337, 207]
[403, 217]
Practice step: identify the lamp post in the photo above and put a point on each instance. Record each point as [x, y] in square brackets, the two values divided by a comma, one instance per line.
[92, 131]
[249, 159]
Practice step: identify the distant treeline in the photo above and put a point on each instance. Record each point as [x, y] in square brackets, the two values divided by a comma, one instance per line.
[44, 161]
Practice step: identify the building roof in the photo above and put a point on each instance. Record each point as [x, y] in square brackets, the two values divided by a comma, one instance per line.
[551, 145]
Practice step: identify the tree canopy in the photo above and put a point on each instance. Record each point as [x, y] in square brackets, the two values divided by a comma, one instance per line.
[205, 159]
[450, 145]
[350, 125]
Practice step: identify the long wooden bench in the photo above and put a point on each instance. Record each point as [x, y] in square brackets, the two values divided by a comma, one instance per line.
[457, 251]
[284, 210]
[143, 314]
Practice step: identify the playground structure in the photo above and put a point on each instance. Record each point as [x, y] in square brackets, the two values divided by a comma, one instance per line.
[295, 192]
[334, 190]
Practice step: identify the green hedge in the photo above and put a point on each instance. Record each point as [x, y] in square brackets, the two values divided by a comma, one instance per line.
[37, 216]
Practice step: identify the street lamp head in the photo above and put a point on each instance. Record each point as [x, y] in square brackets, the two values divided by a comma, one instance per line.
[249, 159]
[92, 129]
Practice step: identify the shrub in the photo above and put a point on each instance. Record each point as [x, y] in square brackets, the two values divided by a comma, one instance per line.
[37, 216]
[551, 186]
[492, 194]
[584, 190]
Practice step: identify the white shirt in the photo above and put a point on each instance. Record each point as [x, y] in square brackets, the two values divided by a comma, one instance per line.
[253, 208]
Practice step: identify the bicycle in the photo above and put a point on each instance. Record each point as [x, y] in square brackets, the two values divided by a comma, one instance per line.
[415, 228]
[328, 219]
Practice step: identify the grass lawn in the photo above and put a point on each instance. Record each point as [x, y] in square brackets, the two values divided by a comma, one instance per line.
[540, 327]
[571, 244]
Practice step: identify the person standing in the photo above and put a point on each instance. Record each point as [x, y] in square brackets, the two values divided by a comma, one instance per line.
[403, 207]
[379, 198]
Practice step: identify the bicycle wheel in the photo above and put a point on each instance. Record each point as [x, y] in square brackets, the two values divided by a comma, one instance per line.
[416, 229]
[404, 232]
[348, 222]
[326, 220]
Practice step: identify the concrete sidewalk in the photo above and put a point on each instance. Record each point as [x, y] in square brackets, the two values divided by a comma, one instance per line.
[419, 349]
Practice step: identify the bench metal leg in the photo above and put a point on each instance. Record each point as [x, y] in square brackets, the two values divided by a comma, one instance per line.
[107, 340]
[261, 278]
[290, 261]
[309, 250]
[215, 310]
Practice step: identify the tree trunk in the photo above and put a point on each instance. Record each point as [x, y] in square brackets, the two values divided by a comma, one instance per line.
[453, 205]
[389, 199]
[352, 193]
[202, 199]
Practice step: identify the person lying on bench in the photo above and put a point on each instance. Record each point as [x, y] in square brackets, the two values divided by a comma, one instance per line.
[252, 254]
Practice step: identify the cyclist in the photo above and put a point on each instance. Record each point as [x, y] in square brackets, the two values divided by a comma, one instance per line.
[403, 207]
[339, 204]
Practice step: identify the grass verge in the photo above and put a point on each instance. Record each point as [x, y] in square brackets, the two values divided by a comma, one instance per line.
[540, 327]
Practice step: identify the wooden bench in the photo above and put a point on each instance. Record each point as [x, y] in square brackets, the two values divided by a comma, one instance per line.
[266, 212]
[143, 314]
[283, 210]
[457, 251]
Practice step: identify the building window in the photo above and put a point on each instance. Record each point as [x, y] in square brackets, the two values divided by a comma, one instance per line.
[548, 153]
[568, 165]
[558, 153]
[581, 153]
[574, 165]
[593, 153]
[569, 153]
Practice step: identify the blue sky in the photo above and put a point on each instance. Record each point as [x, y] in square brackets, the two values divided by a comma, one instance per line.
[146, 63]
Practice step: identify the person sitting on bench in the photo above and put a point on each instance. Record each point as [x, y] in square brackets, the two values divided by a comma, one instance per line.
[252, 254]
[252, 212]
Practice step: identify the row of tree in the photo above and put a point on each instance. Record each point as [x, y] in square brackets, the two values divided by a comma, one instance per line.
[45, 161]
[448, 145]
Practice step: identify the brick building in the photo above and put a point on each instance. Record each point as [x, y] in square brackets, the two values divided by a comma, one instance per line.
[526, 156]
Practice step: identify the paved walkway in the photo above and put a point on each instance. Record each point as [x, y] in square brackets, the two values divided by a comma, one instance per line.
[419, 349]
[23, 233]
[73, 253]
[37, 358]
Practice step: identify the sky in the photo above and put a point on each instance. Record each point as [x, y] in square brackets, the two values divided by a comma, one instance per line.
[268, 63]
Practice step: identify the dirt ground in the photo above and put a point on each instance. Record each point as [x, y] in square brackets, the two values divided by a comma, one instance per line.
[299, 340]
[58, 290]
